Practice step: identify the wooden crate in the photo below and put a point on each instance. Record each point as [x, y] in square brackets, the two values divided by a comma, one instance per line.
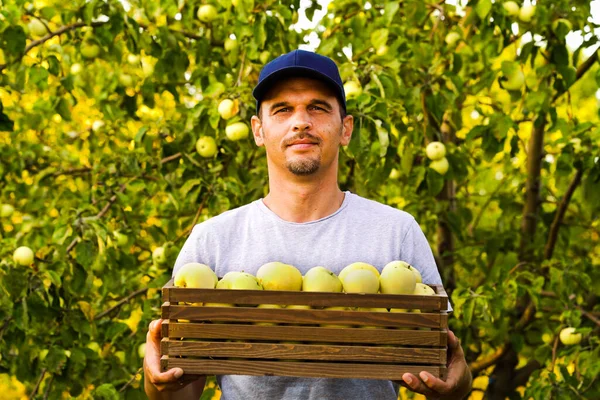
[226, 340]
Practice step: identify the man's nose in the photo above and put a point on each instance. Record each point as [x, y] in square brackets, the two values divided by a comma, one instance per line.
[301, 121]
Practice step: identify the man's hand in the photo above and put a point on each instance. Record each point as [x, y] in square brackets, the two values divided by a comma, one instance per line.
[457, 384]
[156, 381]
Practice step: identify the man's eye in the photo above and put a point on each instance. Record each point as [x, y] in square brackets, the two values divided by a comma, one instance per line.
[282, 110]
[318, 108]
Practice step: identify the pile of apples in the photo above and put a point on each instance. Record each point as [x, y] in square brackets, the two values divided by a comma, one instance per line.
[397, 277]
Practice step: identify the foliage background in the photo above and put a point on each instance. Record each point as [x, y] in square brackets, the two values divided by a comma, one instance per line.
[86, 152]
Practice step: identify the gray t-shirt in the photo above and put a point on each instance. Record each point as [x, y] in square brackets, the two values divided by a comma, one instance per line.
[247, 237]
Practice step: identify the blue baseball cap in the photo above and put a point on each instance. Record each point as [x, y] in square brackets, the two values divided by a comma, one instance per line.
[300, 63]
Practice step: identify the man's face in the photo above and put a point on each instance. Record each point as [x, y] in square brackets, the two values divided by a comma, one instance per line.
[301, 127]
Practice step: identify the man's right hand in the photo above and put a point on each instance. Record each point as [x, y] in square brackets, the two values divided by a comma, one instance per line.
[157, 382]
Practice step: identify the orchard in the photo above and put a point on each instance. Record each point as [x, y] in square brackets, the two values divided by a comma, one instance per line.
[124, 124]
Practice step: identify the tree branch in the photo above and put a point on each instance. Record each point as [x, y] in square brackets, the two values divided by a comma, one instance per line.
[583, 68]
[560, 213]
[479, 365]
[121, 302]
[37, 385]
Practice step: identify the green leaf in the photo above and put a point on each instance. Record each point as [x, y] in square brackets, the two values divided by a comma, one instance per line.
[435, 182]
[13, 41]
[379, 37]
[85, 253]
[106, 391]
[483, 8]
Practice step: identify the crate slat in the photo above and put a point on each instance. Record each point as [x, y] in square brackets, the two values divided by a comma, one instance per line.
[298, 369]
[305, 334]
[309, 317]
[282, 351]
[437, 302]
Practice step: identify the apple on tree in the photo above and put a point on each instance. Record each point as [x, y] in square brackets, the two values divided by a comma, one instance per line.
[440, 166]
[121, 238]
[206, 146]
[237, 131]
[37, 28]
[6, 210]
[159, 256]
[228, 108]
[207, 13]
[89, 50]
[23, 256]
[568, 337]
[452, 38]
[511, 8]
[526, 13]
[352, 89]
[435, 151]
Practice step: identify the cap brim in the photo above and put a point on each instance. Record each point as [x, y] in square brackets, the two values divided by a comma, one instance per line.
[263, 87]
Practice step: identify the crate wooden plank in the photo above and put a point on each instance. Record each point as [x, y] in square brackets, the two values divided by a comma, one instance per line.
[314, 317]
[306, 334]
[436, 302]
[297, 369]
[279, 351]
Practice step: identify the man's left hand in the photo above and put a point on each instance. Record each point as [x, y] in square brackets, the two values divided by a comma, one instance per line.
[458, 382]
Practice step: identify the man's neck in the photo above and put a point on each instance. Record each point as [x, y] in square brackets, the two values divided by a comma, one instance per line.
[303, 201]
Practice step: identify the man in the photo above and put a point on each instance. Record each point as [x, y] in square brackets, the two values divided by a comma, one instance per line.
[305, 220]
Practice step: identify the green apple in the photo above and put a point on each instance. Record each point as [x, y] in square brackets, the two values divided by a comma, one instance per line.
[272, 306]
[440, 166]
[356, 266]
[206, 146]
[237, 131]
[76, 69]
[422, 289]
[244, 281]
[526, 13]
[361, 281]
[89, 50]
[511, 8]
[417, 274]
[121, 356]
[159, 256]
[228, 108]
[435, 151]
[298, 307]
[133, 59]
[394, 174]
[515, 81]
[37, 28]
[568, 337]
[230, 44]
[6, 210]
[382, 50]
[352, 89]
[121, 238]
[142, 350]
[279, 276]
[397, 278]
[320, 279]
[126, 80]
[23, 256]
[207, 13]
[195, 275]
[452, 38]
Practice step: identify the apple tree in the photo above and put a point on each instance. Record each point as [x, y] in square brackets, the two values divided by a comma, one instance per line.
[123, 124]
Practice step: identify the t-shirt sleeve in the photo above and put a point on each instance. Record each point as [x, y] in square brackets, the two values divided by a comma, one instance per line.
[417, 252]
[194, 249]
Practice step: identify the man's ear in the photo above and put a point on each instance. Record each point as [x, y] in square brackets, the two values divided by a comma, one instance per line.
[257, 131]
[347, 127]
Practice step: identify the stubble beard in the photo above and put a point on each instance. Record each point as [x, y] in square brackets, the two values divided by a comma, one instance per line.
[304, 167]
